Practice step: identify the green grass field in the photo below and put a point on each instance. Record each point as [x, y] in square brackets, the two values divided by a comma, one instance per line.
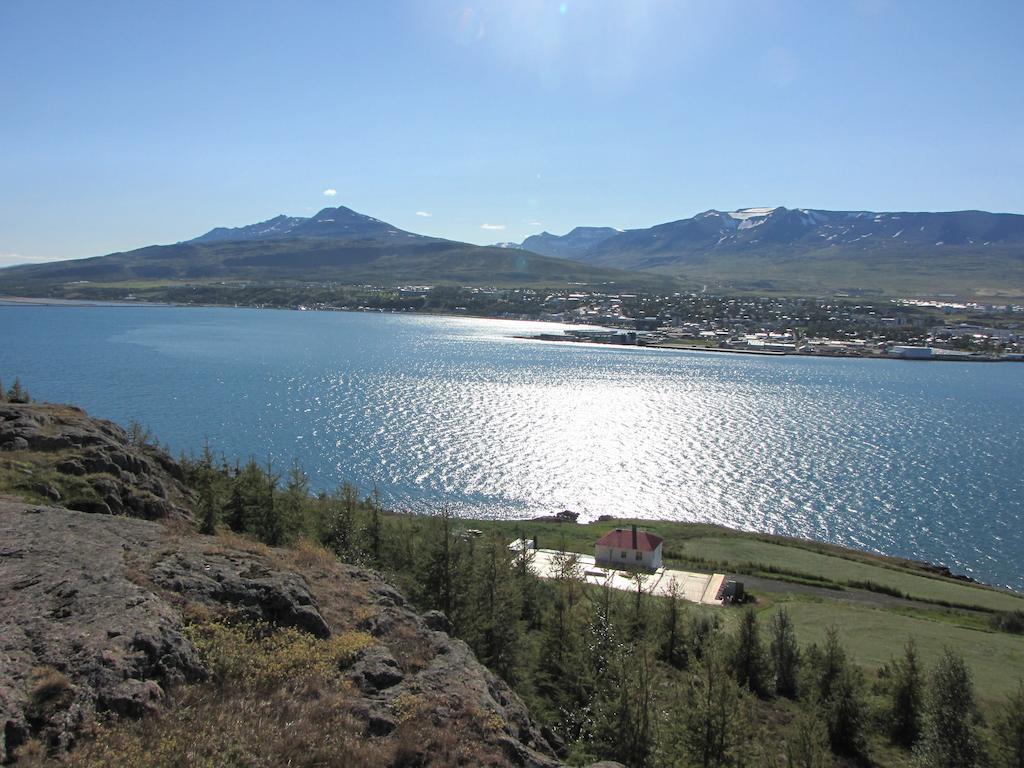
[875, 636]
[749, 554]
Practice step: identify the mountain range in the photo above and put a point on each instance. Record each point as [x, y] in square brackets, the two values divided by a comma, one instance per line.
[783, 250]
[336, 245]
[964, 252]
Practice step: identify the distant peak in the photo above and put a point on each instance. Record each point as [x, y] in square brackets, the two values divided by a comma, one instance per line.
[334, 211]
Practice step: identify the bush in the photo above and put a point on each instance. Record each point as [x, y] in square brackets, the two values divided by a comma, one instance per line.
[261, 656]
[1012, 622]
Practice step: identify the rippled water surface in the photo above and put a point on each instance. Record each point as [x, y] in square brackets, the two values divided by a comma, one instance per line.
[916, 459]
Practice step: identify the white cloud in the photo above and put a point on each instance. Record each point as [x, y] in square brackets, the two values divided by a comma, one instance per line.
[534, 224]
[330, 192]
[11, 259]
[424, 213]
[492, 226]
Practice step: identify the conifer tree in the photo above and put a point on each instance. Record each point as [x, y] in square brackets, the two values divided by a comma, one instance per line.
[438, 563]
[372, 532]
[561, 655]
[3, 392]
[702, 630]
[785, 654]
[496, 605]
[846, 714]
[708, 713]
[807, 746]
[246, 491]
[291, 507]
[1009, 731]
[673, 633]
[206, 485]
[838, 688]
[17, 393]
[748, 658]
[340, 521]
[639, 579]
[827, 663]
[267, 519]
[623, 721]
[906, 702]
[951, 736]
[529, 588]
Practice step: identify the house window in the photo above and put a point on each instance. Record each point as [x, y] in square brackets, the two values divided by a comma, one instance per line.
[623, 555]
[639, 555]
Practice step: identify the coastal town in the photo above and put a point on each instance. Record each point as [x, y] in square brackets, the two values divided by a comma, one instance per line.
[918, 329]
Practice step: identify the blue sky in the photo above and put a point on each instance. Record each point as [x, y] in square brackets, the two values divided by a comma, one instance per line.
[130, 123]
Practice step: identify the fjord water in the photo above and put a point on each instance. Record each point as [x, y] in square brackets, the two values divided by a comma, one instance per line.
[924, 460]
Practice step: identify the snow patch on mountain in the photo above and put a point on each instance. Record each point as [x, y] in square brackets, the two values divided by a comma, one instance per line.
[743, 214]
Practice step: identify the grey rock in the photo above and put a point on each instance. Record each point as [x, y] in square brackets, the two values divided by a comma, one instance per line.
[376, 671]
[14, 443]
[67, 605]
[437, 621]
[243, 582]
[127, 479]
[71, 467]
[69, 610]
[133, 698]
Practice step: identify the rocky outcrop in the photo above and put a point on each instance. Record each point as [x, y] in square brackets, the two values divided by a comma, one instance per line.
[77, 634]
[93, 626]
[57, 453]
[98, 612]
[244, 583]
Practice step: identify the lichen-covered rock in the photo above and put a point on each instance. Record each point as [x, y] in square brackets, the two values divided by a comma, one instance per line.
[58, 453]
[70, 612]
[243, 581]
[376, 670]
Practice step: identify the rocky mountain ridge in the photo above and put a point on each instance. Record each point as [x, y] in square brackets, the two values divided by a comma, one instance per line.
[338, 223]
[754, 229]
[803, 250]
[572, 245]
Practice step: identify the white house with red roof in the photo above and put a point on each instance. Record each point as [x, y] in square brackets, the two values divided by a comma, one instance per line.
[629, 548]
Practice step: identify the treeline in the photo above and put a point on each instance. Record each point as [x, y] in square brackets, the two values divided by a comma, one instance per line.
[623, 675]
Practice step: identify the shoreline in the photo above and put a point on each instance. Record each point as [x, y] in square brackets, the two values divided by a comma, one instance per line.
[953, 358]
[820, 546]
[31, 301]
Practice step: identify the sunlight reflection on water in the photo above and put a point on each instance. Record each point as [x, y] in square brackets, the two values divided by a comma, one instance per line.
[922, 460]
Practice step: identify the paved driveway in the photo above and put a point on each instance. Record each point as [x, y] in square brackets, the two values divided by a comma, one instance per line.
[694, 587]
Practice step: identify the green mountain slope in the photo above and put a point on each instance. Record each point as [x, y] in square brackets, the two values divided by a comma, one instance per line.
[349, 249]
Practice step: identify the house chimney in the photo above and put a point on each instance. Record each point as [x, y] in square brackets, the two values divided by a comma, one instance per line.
[634, 537]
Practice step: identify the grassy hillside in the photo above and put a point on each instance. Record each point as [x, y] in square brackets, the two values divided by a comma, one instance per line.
[898, 272]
